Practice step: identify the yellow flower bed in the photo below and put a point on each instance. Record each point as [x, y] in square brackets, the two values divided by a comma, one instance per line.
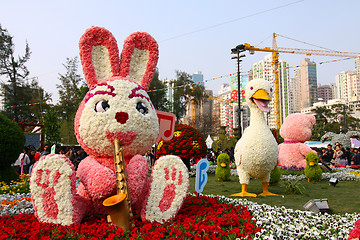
[21, 186]
[353, 172]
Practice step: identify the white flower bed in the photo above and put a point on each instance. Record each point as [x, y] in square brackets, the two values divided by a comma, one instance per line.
[20, 207]
[283, 223]
[341, 176]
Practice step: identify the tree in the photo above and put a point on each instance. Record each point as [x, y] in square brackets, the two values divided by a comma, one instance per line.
[52, 127]
[71, 90]
[158, 98]
[224, 142]
[344, 118]
[31, 101]
[12, 141]
[16, 72]
[324, 122]
[186, 92]
[336, 119]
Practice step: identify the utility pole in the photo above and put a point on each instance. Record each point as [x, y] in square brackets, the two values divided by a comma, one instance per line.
[237, 50]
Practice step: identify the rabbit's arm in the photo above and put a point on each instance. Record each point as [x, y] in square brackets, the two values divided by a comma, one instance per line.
[98, 180]
[138, 180]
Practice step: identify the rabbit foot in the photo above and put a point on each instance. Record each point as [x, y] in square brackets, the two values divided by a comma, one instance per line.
[52, 186]
[168, 189]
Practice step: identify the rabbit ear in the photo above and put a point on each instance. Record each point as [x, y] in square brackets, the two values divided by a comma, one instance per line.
[99, 55]
[139, 58]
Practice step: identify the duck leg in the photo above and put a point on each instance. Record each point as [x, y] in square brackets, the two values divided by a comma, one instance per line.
[266, 191]
[243, 192]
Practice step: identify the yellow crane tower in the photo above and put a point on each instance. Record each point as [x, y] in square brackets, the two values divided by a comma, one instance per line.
[275, 50]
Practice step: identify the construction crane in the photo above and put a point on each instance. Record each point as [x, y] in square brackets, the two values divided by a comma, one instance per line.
[275, 50]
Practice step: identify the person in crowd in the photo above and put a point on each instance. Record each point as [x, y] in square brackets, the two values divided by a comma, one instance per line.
[69, 153]
[328, 155]
[31, 153]
[36, 158]
[356, 158]
[79, 155]
[321, 153]
[61, 150]
[353, 156]
[228, 152]
[148, 156]
[45, 151]
[209, 156]
[347, 156]
[338, 154]
[22, 163]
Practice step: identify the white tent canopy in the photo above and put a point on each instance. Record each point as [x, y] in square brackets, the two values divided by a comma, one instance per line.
[209, 141]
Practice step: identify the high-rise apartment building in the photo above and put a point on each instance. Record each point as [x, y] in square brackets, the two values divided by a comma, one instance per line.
[308, 83]
[339, 79]
[227, 110]
[333, 89]
[285, 96]
[169, 85]
[348, 85]
[198, 78]
[295, 94]
[357, 66]
[324, 93]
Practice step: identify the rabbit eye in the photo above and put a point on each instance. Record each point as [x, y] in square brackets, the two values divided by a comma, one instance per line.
[102, 106]
[141, 107]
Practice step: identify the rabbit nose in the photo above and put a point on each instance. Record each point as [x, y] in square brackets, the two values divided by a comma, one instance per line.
[121, 117]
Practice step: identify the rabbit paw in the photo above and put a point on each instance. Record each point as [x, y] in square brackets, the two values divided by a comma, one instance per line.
[52, 186]
[169, 186]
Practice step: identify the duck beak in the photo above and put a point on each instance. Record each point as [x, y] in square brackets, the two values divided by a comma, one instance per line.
[223, 164]
[261, 98]
[261, 94]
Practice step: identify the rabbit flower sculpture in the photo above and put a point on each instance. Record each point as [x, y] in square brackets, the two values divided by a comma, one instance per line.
[117, 106]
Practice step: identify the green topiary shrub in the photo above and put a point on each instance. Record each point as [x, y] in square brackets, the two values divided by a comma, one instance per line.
[312, 170]
[12, 141]
[223, 171]
[275, 176]
[8, 174]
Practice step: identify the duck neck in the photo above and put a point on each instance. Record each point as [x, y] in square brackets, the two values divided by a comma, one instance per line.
[257, 118]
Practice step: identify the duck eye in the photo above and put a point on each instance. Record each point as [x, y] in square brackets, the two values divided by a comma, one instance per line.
[141, 107]
[102, 106]
[251, 88]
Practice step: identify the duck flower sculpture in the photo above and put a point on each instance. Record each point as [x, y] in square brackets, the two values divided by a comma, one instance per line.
[256, 152]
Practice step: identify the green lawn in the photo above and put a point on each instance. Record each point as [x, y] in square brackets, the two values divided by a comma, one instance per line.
[345, 197]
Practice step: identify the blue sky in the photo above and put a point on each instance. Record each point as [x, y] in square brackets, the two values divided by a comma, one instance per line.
[192, 35]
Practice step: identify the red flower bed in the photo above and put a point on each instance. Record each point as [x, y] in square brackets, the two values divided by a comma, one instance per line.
[187, 143]
[355, 166]
[199, 218]
[339, 166]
